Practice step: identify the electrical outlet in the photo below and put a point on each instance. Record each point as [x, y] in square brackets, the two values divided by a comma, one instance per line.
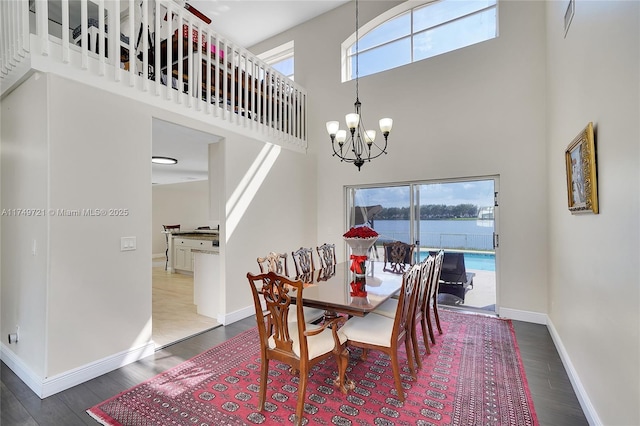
[14, 337]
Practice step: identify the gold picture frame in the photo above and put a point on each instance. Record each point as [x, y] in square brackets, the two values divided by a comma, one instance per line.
[582, 187]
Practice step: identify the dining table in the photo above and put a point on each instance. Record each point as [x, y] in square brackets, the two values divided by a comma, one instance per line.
[338, 290]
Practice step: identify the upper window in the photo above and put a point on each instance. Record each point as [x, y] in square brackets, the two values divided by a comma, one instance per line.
[404, 34]
[280, 58]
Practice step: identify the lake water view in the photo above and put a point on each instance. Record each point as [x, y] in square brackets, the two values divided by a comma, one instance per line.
[447, 234]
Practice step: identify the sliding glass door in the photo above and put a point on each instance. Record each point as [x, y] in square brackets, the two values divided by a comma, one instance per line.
[458, 216]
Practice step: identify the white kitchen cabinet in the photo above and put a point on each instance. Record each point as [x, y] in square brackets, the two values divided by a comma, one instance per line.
[183, 260]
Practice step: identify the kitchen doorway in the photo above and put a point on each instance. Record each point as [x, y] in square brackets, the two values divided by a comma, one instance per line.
[180, 195]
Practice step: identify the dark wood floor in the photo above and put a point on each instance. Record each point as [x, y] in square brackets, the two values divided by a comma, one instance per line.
[554, 399]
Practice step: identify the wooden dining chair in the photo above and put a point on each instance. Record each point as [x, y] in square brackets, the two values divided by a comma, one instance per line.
[385, 334]
[303, 261]
[421, 310]
[277, 262]
[297, 344]
[418, 318]
[327, 255]
[398, 256]
[433, 296]
[274, 262]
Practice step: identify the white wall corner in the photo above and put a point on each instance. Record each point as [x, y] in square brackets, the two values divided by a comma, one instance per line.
[24, 373]
[44, 388]
[587, 407]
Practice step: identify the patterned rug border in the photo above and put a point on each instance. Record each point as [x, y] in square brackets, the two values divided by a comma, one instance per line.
[456, 417]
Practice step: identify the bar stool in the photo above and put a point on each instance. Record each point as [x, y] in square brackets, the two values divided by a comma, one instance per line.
[168, 229]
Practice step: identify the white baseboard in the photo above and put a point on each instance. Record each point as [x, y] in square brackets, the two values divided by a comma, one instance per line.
[539, 318]
[44, 388]
[226, 319]
[587, 407]
[526, 316]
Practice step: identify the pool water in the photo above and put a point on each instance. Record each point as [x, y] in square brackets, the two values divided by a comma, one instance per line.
[478, 261]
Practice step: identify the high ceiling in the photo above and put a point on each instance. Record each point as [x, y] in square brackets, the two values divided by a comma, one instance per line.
[248, 22]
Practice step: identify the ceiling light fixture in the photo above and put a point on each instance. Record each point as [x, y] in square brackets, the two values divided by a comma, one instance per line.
[358, 146]
[164, 160]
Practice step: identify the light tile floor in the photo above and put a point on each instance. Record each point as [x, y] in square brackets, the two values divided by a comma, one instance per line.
[174, 315]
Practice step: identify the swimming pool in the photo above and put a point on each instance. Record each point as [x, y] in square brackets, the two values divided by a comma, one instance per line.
[479, 261]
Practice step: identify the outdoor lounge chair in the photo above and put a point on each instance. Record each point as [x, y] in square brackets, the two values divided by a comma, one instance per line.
[454, 278]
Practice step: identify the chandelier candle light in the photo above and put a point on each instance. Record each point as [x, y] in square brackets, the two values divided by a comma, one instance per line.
[358, 146]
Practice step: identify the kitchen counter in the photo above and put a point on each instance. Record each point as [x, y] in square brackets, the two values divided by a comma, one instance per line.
[182, 246]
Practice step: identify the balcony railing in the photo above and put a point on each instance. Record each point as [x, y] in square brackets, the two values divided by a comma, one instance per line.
[168, 56]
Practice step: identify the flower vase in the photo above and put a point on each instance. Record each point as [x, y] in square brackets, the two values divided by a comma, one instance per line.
[360, 254]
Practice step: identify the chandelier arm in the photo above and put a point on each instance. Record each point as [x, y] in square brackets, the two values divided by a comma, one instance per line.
[341, 154]
[382, 150]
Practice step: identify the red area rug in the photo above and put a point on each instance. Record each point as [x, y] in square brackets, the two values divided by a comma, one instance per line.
[474, 376]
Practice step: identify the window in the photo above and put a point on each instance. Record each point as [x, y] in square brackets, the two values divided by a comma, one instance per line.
[401, 36]
[459, 216]
[280, 59]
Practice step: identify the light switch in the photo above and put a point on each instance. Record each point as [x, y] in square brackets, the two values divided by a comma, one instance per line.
[127, 243]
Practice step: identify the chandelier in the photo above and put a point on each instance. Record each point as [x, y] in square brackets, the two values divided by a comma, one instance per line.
[359, 145]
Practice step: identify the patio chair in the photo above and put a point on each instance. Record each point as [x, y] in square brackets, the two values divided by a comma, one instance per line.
[454, 278]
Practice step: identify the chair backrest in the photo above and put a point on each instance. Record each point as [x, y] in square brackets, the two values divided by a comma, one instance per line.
[327, 255]
[274, 262]
[398, 256]
[406, 302]
[424, 287]
[273, 325]
[435, 276]
[303, 260]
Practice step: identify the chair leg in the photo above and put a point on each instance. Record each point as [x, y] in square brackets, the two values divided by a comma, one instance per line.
[430, 326]
[408, 347]
[264, 372]
[435, 313]
[396, 375]
[425, 337]
[416, 349]
[302, 388]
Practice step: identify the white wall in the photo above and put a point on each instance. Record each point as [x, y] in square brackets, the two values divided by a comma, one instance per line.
[270, 206]
[24, 186]
[593, 259]
[78, 299]
[185, 204]
[99, 298]
[474, 112]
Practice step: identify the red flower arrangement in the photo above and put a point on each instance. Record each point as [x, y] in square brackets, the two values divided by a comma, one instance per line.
[360, 232]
